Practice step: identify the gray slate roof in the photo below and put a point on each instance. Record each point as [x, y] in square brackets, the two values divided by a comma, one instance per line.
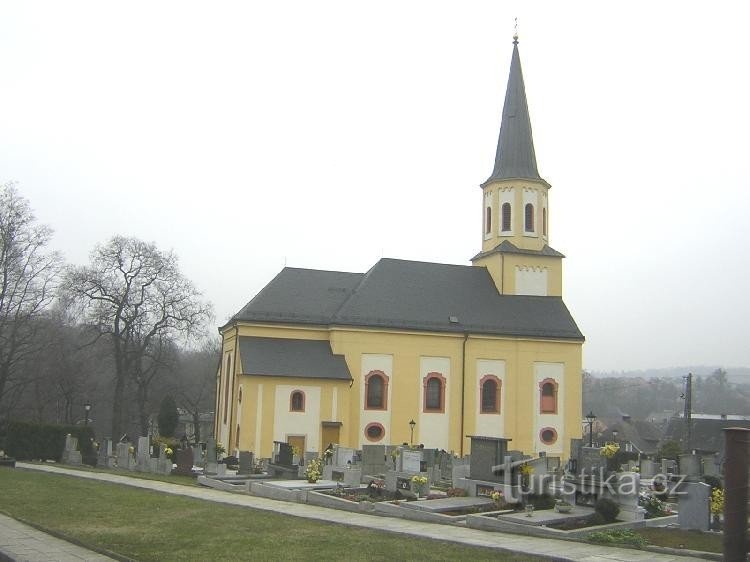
[291, 358]
[507, 247]
[515, 157]
[409, 295]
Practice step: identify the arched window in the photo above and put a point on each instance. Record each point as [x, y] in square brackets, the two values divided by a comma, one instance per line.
[297, 401]
[490, 394]
[226, 386]
[548, 396]
[529, 218]
[506, 217]
[434, 393]
[488, 220]
[376, 391]
[544, 221]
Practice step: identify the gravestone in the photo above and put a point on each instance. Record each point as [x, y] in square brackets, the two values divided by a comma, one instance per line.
[212, 465]
[373, 459]
[411, 461]
[143, 455]
[690, 466]
[164, 463]
[648, 468]
[486, 453]
[668, 466]
[124, 458]
[343, 456]
[198, 455]
[429, 456]
[184, 462]
[246, 462]
[71, 454]
[591, 462]
[694, 507]
[627, 486]
[446, 466]
[105, 457]
[308, 456]
[709, 466]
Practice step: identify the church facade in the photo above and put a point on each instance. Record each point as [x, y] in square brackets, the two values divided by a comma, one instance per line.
[413, 351]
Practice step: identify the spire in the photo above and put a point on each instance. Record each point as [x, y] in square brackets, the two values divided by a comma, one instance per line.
[515, 157]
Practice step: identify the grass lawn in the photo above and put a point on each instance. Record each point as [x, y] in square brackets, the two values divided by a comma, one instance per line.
[147, 525]
[676, 538]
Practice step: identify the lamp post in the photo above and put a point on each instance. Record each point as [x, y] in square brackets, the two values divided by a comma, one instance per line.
[614, 434]
[86, 410]
[590, 417]
[412, 423]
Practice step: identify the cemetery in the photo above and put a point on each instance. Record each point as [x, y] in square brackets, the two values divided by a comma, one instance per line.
[495, 489]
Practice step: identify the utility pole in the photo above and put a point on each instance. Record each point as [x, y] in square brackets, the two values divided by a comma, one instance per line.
[688, 413]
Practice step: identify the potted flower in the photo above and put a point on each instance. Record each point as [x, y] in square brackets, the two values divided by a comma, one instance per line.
[314, 470]
[562, 506]
[419, 483]
[717, 508]
[498, 498]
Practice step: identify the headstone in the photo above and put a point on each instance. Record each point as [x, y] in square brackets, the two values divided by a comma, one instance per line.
[709, 466]
[446, 467]
[308, 456]
[343, 456]
[124, 458]
[184, 462]
[411, 461]
[668, 466]
[591, 462]
[648, 468]
[428, 457]
[373, 459]
[164, 464]
[211, 450]
[246, 463]
[486, 453]
[198, 455]
[71, 454]
[694, 506]
[627, 486]
[690, 466]
[143, 455]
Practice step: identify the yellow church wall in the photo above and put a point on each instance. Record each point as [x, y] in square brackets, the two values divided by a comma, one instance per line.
[502, 269]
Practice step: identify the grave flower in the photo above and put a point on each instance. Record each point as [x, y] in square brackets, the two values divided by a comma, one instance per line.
[314, 470]
[609, 450]
[526, 469]
[220, 450]
[419, 480]
[717, 501]
[169, 453]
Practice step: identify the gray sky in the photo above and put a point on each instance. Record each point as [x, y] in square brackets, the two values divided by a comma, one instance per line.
[328, 134]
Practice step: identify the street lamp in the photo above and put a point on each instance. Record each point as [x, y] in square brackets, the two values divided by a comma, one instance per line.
[614, 435]
[86, 410]
[590, 417]
[412, 423]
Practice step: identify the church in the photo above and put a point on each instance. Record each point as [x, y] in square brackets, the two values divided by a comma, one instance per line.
[418, 352]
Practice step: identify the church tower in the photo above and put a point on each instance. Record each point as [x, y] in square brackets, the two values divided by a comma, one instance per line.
[515, 205]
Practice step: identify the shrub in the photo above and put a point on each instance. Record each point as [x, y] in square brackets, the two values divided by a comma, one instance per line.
[27, 441]
[607, 509]
[618, 536]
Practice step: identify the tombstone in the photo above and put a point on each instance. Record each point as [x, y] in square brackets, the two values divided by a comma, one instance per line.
[124, 459]
[648, 468]
[308, 456]
[591, 462]
[164, 463]
[694, 507]
[211, 465]
[668, 466]
[690, 466]
[709, 466]
[411, 461]
[184, 462]
[446, 466]
[246, 462]
[429, 456]
[71, 455]
[626, 487]
[373, 459]
[198, 455]
[486, 452]
[143, 455]
[105, 456]
[343, 456]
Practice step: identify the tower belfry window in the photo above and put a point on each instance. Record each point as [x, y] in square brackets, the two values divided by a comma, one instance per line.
[544, 222]
[488, 220]
[529, 218]
[506, 217]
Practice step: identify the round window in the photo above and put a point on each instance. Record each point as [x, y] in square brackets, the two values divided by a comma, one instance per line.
[374, 432]
[548, 435]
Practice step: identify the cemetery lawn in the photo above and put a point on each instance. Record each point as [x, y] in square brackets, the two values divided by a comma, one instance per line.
[676, 538]
[147, 525]
[171, 478]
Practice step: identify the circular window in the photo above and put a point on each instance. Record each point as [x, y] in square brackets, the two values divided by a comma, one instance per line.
[548, 435]
[374, 432]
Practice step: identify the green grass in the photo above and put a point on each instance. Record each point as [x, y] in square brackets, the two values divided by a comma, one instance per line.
[675, 538]
[147, 525]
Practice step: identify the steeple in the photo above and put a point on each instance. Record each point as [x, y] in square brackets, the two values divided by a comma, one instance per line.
[515, 157]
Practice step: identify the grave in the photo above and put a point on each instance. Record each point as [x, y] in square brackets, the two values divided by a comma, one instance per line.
[282, 463]
[123, 457]
[694, 506]
[246, 462]
[449, 504]
[648, 468]
[184, 462]
[212, 464]
[71, 455]
[198, 455]
[164, 463]
[373, 460]
[486, 453]
[143, 455]
[690, 466]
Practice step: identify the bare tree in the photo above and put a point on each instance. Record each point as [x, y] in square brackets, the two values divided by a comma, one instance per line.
[135, 295]
[28, 276]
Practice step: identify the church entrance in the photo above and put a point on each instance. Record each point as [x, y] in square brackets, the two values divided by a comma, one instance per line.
[331, 434]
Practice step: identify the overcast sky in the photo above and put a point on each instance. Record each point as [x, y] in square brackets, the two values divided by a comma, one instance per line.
[246, 136]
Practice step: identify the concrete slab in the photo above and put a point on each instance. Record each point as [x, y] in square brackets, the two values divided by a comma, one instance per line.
[546, 516]
[447, 504]
[302, 484]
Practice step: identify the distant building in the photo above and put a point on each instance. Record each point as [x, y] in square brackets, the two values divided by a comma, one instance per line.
[428, 350]
[707, 435]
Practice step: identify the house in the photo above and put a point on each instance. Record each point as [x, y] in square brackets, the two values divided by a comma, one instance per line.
[706, 431]
[414, 351]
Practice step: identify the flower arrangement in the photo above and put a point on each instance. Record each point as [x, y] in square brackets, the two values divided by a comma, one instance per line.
[169, 453]
[394, 454]
[419, 480]
[717, 501]
[497, 496]
[131, 450]
[296, 451]
[314, 470]
[526, 469]
[609, 450]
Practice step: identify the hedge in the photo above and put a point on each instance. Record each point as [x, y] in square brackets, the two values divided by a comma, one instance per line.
[31, 441]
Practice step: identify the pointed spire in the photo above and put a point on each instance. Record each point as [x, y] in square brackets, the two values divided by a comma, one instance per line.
[515, 157]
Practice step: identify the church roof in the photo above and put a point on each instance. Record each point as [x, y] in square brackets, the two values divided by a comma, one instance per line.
[507, 247]
[515, 157]
[291, 358]
[409, 295]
